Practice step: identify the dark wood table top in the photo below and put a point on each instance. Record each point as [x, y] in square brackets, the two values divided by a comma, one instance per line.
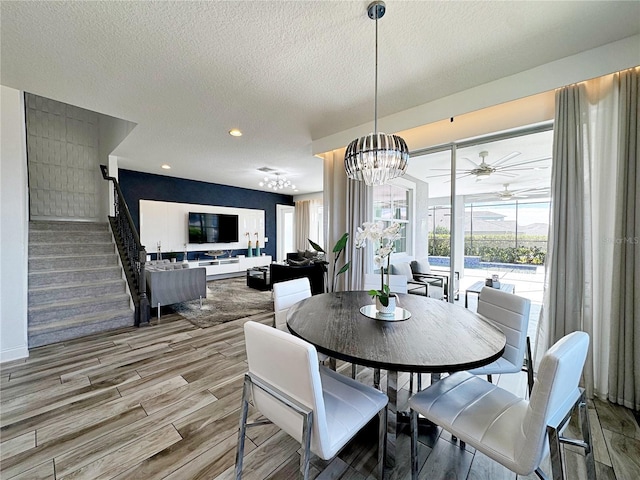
[439, 336]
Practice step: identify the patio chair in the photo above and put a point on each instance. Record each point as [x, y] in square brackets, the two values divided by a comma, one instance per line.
[430, 287]
[397, 283]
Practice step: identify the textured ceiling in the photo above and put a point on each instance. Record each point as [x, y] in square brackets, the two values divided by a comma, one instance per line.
[285, 73]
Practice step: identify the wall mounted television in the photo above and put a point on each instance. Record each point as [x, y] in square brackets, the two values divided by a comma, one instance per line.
[213, 228]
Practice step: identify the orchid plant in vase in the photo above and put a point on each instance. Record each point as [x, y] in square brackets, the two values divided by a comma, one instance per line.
[384, 238]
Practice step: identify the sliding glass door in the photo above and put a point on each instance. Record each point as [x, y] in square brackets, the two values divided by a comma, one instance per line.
[491, 215]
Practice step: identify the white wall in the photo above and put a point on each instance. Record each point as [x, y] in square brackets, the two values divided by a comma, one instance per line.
[112, 132]
[592, 63]
[166, 222]
[14, 227]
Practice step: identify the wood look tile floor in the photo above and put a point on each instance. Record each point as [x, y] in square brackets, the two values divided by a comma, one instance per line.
[163, 403]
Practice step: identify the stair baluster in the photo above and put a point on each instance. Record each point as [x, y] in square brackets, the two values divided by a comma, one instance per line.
[132, 253]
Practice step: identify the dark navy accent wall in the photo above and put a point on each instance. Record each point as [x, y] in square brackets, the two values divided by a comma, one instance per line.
[138, 186]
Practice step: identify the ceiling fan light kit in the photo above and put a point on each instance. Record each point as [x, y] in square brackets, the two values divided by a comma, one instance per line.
[378, 157]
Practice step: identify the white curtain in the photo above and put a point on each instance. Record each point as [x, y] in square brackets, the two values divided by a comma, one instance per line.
[580, 262]
[303, 224]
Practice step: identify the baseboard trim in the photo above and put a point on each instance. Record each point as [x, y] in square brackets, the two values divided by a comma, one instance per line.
[14, 354]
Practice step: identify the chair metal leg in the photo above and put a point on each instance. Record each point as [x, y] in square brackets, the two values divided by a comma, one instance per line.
[541, 475]
[555, 453]
[382, 441]
[376, 378]
[200, 302]
[158, 311]
[332, 363]
[489, 378]
[354, 370]
[419, 381]
[307, 423]
[586, 435]
[411, 383]
[529, 367]
[244, 409]
[414, 444]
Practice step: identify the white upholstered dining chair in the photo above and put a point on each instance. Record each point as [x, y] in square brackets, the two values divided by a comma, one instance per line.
[318, 407]
[511, 430]
[285, 295]
[510, 313]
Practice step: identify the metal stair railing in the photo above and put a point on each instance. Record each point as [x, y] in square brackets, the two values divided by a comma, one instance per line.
[132, 254]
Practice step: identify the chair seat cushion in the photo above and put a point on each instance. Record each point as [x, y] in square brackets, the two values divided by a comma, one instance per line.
[501, 365]
[493, 425]
[349, 406]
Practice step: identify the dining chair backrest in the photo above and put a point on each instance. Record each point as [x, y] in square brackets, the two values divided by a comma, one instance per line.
[290, 364]
[510, 313]
[285, 295]
[554, 394]
[397, 283]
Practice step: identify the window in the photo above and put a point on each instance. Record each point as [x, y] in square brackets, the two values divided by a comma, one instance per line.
[393, 203]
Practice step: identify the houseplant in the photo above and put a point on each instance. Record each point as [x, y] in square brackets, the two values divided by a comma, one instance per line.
[338, 249]
[384, 238]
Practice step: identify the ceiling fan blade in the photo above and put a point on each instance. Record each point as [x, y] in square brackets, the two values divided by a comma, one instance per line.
[516, 169]
[436, 176]
[525, 163]
[505, 174]
[505, 158]
[475, 165]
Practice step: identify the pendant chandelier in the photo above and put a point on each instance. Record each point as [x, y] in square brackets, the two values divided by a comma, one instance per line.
[376, 158]
[277, 183]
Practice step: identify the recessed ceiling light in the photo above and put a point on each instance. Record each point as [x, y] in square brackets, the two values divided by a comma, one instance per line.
[234, 132]
[166, 166]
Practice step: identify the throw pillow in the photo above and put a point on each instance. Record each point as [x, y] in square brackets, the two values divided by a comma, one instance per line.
[402, 269]
[421, 266]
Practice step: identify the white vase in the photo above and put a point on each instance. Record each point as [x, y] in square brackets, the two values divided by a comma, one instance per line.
[389, 309]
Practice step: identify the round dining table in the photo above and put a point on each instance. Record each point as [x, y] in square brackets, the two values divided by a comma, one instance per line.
[437, 337]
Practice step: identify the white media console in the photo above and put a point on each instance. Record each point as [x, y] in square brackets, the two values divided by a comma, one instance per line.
[230, 266]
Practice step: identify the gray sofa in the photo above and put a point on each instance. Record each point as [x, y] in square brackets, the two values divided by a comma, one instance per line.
[169, 283]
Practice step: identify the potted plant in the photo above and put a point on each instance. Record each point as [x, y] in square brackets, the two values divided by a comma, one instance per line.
[384, 238]
[338, 249]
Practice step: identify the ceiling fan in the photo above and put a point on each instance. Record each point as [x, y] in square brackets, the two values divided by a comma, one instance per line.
[483, 169]
[507, 194]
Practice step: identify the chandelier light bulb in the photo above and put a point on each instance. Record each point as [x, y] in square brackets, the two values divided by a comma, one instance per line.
[276, 183]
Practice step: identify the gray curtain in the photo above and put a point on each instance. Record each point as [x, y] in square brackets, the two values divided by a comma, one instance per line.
[358, 210]
[593, 265]
[568, 277]
[624, 359]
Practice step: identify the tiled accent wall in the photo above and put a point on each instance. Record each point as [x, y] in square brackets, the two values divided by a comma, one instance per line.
[62, 154]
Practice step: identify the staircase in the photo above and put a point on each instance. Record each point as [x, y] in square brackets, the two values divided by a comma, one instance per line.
[75, 282]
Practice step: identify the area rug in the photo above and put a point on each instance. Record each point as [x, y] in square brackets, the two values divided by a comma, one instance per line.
[227, 299]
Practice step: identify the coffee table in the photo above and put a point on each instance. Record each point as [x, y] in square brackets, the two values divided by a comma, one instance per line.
[259, 278]
[479, 285]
